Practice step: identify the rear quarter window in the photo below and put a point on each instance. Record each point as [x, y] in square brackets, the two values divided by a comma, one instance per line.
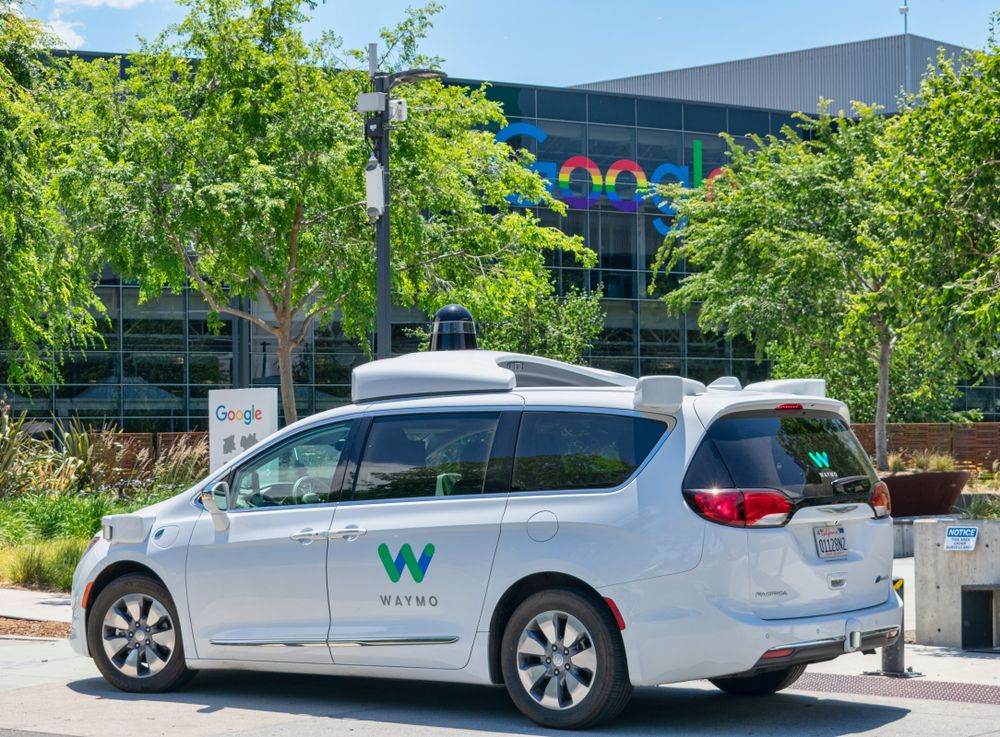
[581, 450]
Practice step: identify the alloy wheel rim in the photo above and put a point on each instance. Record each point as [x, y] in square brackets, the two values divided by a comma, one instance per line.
[556, 660]
[138, 635]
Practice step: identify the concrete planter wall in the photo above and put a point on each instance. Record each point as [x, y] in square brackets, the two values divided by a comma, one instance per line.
[920, 493]
[943, 575]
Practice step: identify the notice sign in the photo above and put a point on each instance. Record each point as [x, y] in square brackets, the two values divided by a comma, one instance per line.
[237, 420]
[961, 538]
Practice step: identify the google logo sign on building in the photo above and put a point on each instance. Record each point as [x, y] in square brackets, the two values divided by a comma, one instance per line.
[607, 184]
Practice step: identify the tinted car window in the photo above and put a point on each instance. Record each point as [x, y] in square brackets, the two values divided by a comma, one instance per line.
[579, 450]
[423, 455]
[807, 454]
[301, 470]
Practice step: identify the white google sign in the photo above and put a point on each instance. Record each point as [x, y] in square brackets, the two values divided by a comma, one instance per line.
[237, 420]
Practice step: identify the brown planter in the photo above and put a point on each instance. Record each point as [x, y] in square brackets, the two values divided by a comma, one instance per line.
[919, 493]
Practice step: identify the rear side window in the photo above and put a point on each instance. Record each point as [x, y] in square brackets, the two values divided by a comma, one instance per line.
[807, 454]
[580, 450]
[421, 455]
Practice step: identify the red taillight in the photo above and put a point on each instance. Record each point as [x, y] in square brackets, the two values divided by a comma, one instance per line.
[781, 407]
[881, 501]
[766, 508]
[736, 508]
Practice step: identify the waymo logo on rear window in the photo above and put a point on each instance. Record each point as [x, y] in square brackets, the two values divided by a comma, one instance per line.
[821, 459]
[406, 559]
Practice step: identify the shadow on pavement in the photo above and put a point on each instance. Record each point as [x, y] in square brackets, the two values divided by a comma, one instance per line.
[665, 710]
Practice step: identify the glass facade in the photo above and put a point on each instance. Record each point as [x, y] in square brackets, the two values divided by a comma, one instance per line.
[599, 151]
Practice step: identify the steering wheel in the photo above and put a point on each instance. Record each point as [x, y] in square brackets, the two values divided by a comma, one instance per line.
[307, 490]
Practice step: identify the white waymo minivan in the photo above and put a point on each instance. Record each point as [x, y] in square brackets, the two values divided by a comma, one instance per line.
[493, 518]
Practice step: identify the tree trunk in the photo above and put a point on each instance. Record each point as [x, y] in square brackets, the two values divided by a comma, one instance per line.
[287, 383]
[886, 341]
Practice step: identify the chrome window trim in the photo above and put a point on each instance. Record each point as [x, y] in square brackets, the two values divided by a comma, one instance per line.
[339, 642]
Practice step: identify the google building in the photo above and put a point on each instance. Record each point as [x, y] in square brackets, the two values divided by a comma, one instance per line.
[598, 145]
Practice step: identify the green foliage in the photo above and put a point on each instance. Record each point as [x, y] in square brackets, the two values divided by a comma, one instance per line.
[795, 247]
[928, 460]
[182, 463]
[48, 565]
[940, 167]
[244, 174]
[982, 506]
[922, 389]
[46, 294]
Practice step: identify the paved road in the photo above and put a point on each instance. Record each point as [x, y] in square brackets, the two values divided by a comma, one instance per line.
[45, 689]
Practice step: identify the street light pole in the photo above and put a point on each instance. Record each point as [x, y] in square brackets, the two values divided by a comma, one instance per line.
[383, 273]
[377, 129]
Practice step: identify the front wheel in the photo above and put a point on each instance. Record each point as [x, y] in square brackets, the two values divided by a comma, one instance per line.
[563, 661]
[133, 635]
[761, 684]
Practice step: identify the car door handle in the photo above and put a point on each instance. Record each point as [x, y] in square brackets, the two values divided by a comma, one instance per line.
[308, 535]
[348, 534]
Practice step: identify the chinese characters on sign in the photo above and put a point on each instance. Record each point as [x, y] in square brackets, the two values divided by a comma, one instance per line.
[238, 419]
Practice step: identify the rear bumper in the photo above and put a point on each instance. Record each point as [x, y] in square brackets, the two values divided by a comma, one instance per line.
[674, 632]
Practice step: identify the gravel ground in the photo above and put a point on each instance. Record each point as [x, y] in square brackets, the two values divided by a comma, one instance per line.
[32, 628]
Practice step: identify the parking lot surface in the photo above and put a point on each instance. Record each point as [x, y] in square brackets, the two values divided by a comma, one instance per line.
[46, 689]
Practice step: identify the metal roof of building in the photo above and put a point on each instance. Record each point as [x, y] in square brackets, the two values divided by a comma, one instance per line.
[872, 71]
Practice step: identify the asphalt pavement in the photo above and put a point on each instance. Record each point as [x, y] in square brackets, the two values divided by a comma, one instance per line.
[46, 689]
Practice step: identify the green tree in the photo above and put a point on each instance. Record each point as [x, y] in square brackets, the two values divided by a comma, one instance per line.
[230, 155]
[793, 249]
[46, 296]
[940, 167]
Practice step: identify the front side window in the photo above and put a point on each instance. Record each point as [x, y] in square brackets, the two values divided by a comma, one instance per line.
[421, 455]
[581, 450]
[302, 470]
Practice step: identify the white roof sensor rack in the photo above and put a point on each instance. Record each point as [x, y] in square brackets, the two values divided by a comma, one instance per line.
[453, 372]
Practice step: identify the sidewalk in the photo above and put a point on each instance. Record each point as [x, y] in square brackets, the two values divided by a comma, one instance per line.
[40, 605]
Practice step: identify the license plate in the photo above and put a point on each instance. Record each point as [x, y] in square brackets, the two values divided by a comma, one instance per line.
[831, 542]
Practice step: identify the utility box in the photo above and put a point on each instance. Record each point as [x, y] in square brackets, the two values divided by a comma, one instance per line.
[957, 593]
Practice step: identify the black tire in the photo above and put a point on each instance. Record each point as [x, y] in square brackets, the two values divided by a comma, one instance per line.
[152, 675]
[761, 684]
[609, 688]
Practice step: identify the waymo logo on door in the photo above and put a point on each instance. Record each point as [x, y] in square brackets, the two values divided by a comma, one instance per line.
[405, 559]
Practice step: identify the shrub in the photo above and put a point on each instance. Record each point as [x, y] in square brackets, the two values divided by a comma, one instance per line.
[181, 463]
[982, 506]
[896, 462]
[927, 460]
[48, 565]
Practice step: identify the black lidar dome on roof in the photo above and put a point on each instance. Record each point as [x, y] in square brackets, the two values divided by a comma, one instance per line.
[454, 329]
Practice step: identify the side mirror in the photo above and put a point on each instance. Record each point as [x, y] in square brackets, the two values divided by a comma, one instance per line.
[216, 501]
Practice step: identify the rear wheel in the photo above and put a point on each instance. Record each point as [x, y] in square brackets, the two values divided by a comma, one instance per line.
[133, 636]
[760, 684]
[563, 661]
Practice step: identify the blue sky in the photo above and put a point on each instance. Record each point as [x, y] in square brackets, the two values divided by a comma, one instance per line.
[563, 42]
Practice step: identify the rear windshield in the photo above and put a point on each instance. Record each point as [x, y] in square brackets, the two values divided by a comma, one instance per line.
[808, 454]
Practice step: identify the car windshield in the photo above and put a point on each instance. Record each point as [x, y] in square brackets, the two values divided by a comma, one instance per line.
[804, 453]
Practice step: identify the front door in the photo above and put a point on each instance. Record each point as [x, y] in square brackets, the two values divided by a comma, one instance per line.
[258, 590]
[411, 550]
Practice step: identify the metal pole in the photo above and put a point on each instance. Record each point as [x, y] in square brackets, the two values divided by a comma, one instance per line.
[383, 274]
[893, 658]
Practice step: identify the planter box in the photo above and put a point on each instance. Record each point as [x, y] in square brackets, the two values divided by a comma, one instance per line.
[922, 493]
[957, 592]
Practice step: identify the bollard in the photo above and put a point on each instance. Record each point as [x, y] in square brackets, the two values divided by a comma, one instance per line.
[893, 657]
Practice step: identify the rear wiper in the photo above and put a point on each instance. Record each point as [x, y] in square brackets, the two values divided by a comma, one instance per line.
[846, 480]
